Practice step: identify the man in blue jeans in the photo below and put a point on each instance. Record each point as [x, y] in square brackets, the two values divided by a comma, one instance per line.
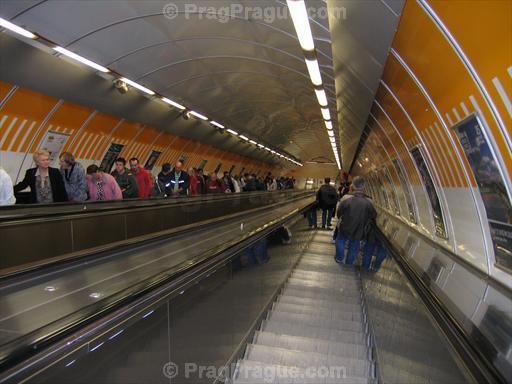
[326, 198]
[355, 212]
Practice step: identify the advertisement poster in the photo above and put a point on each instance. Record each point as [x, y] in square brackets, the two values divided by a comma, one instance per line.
[53, 142]
[110, 157]
[431, 191]
[406, 189]
[153, 157]
[491, 185]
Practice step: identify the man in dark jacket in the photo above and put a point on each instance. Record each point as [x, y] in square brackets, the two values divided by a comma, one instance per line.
[179, 180]
[355, 215]
[250, 183]
[327, 198]
[164, 184]
[125, 180]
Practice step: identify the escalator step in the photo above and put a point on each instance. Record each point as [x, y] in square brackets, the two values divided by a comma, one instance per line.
[281, 356]
[317, 320]
[255, 372]
[318, 304]
[315, 332]
[326, 293]
[325, 284]
[308, 344]
[333, 301]
[352, 314]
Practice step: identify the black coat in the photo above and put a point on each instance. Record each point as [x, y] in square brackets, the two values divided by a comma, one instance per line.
[356, 214]
[327, 197]
[56, 181]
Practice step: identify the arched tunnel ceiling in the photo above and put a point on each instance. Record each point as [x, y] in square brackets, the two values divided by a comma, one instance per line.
[247, 72]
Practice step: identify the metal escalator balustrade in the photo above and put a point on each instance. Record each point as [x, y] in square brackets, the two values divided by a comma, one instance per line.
[317, 329]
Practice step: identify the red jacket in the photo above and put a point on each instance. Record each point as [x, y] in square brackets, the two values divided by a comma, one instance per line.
[214, 186]
[144, 182]
[193, 186]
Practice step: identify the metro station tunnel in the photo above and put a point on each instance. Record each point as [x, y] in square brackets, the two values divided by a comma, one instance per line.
[255, 191]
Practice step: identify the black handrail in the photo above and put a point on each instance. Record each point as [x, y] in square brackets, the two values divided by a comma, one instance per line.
[17, 351]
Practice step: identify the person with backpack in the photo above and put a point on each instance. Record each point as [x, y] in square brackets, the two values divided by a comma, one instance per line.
[326, 198]
[356, 214]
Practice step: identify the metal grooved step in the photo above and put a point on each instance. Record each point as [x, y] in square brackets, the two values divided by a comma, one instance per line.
[316, 331]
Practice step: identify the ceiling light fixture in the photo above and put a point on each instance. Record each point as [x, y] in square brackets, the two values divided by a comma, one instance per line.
[300, 20]
[328, 124]
[198, 115]
[173, 103]
[14, 28]
[326, 114]
[314, 72]
[218, 125]
[81, 59]
[321, 97]
[232, 132]
[138, 86]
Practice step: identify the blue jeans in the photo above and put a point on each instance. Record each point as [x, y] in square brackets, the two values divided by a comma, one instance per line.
[312, 217]
[369, 249]
[327, 212]
[353, 249]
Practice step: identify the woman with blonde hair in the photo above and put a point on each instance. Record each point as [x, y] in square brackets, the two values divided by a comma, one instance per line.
[46, 183]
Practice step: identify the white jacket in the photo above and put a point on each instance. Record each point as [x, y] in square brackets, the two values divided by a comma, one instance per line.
[6, 190]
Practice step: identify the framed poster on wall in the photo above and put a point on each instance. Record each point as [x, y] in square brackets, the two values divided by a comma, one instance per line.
[432, 195]
[151, 161]
[110, 157]
[491, 184]
[53, 142]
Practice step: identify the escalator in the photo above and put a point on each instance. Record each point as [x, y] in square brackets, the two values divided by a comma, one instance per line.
[248, 314]
[316, 329]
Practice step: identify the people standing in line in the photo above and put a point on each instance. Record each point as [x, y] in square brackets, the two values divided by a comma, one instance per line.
[214, 185]
[260, 185]
[194, 182]
[125, 179]
[201, 182]
[271, 184]
[163, 185]
[144, 180]
[250, 183]
[228, 184]
[355, 215]
[101, 185]
[75, 180]
[180, 182]
[45, 182]
[6, 189]
[327, 198]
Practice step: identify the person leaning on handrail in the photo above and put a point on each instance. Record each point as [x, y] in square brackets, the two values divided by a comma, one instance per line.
[74, 177]
[101, 185]
[45, 182]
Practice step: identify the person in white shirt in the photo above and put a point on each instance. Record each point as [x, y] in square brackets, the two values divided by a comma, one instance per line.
[6, 189]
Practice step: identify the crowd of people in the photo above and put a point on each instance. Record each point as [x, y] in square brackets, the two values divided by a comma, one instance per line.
[356, 222]
[129, 180]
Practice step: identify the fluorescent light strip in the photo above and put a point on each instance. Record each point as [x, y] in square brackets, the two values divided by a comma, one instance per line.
[261, 146]
[198, 115]
[253, 142]
[330, 133]
[173, 103]
[326, 114]
[300, 20]
[332, 139]
[328, 124]
[321, 97]
[244, 137]
[314, 72]
[232, 132]
[81, 59]
[14, 28]
[138, 86]
[217, 124]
